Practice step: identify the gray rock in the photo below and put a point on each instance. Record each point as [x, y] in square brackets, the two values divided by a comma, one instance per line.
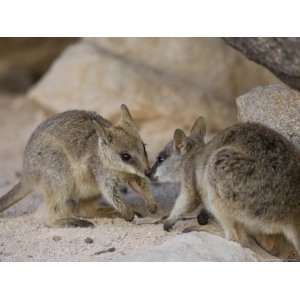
[280, 55]
[206, 62]
[56, 238]
[194, 246]
[24, 60]
[88, 240]
[276, 106]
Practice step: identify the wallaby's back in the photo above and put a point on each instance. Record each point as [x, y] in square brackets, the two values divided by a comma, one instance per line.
[72, 130]
[255, 170]
[66, 136]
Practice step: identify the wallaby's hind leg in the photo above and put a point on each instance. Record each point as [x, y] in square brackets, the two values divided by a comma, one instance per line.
[249, 242]
[90, 208]
[223, 217]
[52, 173]
[236, 232]
[63, 211]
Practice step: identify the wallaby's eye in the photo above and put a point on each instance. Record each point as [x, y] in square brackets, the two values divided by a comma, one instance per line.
[125, 156]
[160, 159]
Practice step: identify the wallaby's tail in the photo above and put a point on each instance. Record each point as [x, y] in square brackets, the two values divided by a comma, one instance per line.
[17, 193]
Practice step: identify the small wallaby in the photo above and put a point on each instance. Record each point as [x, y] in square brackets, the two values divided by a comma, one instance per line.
[247, 177]
[76, 156]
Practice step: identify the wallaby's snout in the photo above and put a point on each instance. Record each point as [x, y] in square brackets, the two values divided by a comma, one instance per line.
[148, 173]
[151, 172]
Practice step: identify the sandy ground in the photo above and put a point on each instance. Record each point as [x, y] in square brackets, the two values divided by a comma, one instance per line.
[23, 235]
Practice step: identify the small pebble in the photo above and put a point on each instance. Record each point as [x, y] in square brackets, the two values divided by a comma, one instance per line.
[89, 240]
[112, 249]
[18, 174]
[56, 238]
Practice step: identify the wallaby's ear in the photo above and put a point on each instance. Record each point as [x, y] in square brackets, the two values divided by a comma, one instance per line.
[180, 141]
[198, 130]
[126, 120]
[103, 133]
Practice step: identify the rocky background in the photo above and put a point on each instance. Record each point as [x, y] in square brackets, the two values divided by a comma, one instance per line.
[167, 83]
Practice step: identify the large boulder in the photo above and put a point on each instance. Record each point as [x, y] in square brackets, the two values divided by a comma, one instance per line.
[276, 106]
[25, 60]
[204, 62]
[166, 83]
[194, 246]
[280, 55]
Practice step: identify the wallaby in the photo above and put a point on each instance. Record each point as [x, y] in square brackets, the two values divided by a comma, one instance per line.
[76, 156]
[247, 177]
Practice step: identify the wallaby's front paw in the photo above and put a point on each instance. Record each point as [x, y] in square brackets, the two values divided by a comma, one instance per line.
[152, 207]
[168, 225]
[129, 215]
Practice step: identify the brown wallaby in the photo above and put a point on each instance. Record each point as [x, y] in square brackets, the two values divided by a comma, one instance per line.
[76, 156]
[247, 177]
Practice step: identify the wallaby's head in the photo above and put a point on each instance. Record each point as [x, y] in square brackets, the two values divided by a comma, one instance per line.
[121, 147]
[169, 163]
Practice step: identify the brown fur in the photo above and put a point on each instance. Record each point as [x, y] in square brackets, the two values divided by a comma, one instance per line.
[247, 176]
[73, 158]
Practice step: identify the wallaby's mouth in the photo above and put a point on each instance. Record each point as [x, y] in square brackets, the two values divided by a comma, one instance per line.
[153, 178]
[148, 173]
[151, 173]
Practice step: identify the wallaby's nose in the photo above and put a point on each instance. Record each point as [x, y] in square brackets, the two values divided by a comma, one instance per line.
[148, 172]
